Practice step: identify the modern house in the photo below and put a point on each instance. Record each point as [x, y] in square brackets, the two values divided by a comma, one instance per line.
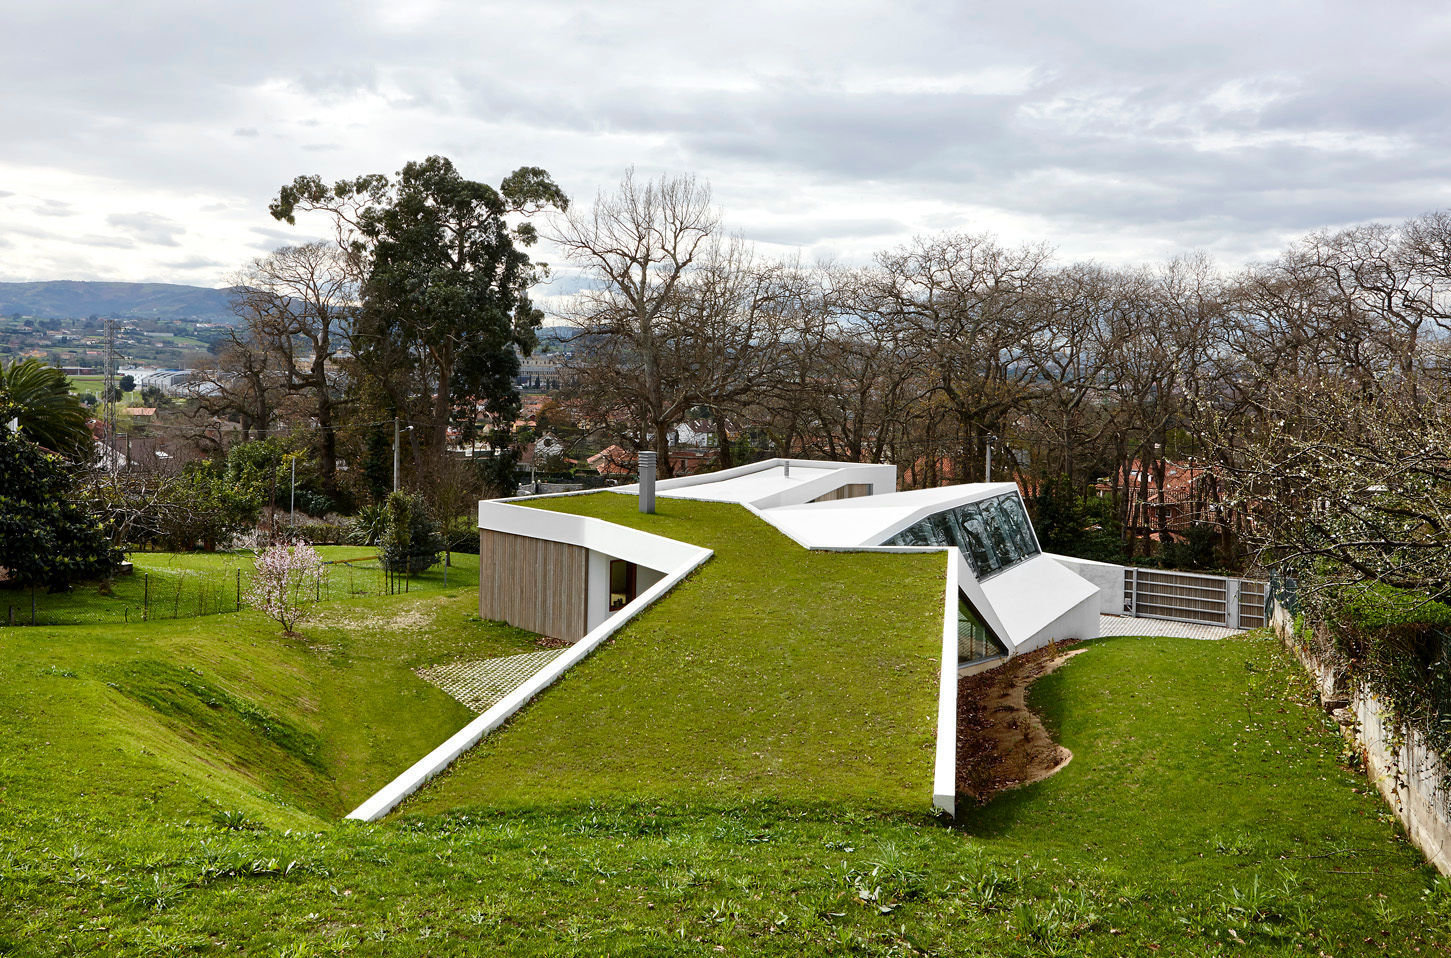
[580, 578]
[563, 576]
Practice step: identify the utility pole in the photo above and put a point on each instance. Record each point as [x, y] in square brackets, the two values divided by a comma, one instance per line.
[108, 396]
[987, 469]
[292, 509]
[396, 433]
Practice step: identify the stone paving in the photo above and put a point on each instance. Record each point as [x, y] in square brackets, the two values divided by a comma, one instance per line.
[1134, 625]
[482, 683]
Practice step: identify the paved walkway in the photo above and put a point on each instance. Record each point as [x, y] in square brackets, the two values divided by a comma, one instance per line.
[482, 683]
[1133, 625]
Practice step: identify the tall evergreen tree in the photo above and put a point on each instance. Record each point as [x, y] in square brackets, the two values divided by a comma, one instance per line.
[444, 276]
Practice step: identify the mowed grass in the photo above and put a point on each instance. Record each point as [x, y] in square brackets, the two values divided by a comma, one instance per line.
[772, 672]
[174, 585]
[1177, 829]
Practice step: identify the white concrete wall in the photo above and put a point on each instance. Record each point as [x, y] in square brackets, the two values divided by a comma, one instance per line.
[944, 768]
[1408, 775]
[1039, 601]
[1108, 577]
[1079, 622]
[597, 602]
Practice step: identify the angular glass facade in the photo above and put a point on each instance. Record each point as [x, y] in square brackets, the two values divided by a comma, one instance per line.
[992, 533]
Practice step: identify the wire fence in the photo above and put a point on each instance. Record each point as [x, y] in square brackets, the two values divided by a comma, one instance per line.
[152, 594]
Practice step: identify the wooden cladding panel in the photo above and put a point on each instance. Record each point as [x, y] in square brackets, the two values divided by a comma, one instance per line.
[849, 491]
[535, 584]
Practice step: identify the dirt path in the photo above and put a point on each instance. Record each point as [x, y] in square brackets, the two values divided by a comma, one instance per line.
[1000, 743]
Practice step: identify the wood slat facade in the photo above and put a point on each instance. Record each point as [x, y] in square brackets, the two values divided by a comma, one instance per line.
[534, 584]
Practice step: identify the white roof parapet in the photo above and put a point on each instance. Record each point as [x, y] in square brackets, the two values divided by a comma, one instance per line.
[774, 483]
[871, 520]
[621, 542]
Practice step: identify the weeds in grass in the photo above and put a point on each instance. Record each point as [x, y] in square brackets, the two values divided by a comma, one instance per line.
[235, 821]
[157, 894]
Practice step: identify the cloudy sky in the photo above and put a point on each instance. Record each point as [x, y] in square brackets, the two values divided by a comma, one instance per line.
[142, 141]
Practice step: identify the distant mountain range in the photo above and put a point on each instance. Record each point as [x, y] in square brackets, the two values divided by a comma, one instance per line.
[69, 299]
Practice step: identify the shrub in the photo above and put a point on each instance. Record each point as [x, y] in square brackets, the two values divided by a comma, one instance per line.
[411, 541]
[368, 526]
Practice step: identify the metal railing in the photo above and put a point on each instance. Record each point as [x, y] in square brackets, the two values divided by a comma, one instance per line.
[1192, 597]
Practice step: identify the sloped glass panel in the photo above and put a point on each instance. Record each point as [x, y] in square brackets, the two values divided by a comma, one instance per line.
[992, 533]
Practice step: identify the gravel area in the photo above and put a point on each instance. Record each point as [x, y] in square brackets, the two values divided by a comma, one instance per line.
[1133, 625]
[481, 683]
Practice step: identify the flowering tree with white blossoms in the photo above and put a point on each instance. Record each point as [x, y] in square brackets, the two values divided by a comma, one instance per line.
[284, 580]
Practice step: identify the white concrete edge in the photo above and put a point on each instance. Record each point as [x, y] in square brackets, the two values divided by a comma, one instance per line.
[600, 535]
[838, 474]
[735, 472]
[944, 775]
[389, 796]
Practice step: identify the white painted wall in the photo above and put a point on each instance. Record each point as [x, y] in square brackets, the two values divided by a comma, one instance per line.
[1039, 601]
[944, 766]
[597, 602]
[1108, 577]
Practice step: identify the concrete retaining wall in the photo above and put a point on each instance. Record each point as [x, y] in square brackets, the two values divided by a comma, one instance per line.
[1108, 577]
[1405, 770]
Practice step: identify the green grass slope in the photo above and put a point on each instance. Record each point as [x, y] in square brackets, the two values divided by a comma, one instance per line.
[1204, 813]
[771, 672]
[223, 712]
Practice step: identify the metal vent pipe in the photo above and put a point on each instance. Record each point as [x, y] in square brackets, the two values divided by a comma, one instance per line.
[647, 483]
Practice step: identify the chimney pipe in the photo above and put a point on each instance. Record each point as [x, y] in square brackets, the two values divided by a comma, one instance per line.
[647, 483]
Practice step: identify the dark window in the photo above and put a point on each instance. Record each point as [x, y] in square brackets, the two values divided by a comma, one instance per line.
[622, 583]
[992, 533]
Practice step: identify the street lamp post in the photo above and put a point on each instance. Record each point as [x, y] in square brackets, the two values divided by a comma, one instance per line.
[396, 434]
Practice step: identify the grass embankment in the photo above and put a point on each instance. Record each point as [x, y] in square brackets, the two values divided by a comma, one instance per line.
[1204, 806]
[221, 712]
[770, 672]
[179, 585]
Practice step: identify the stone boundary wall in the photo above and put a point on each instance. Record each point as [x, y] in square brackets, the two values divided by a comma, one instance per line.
[1405, 770]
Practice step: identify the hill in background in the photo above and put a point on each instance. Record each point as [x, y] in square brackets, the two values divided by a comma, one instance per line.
[69, 299]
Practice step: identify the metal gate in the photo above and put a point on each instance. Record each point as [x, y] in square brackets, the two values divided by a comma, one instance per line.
[1191, 597]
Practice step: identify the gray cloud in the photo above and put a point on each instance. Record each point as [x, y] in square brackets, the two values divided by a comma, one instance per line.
[106, 242]
[195, 262]
[53, 208]
[150, 228]
[1113, 129]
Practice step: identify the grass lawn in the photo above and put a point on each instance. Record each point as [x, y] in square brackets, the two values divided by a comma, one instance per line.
[771, 672]
[175, 788]
[173, 585]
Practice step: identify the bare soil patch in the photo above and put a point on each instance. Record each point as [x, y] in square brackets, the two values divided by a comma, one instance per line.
[1000, 743]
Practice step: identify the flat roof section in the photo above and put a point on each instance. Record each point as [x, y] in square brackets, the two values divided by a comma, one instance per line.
[748, 488]
[773, 483]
